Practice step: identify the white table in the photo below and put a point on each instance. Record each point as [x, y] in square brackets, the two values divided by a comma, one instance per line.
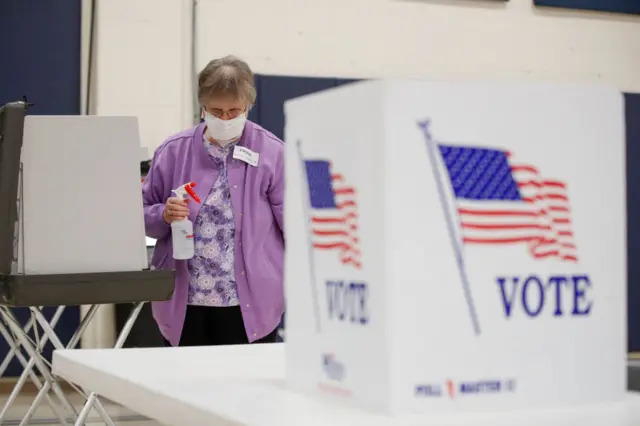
[244, 385]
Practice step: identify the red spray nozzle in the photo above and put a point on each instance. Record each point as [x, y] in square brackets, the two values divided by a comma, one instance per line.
[189, 188]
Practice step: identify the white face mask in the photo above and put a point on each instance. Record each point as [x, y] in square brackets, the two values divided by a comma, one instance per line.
[224, 131]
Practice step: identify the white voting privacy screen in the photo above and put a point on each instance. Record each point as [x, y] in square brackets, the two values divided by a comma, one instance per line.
[456, 246]
[82, 196]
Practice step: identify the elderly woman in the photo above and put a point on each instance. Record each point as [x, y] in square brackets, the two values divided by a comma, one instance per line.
[231, 291]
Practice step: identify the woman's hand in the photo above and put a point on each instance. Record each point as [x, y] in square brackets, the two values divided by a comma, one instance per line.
[175, 209]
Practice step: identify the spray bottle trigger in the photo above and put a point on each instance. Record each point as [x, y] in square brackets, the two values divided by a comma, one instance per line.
[191, 192]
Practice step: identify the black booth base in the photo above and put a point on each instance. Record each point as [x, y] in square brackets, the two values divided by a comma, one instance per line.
[85, 289]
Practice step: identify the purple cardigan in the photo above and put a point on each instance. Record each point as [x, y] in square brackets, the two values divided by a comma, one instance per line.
[257, 195]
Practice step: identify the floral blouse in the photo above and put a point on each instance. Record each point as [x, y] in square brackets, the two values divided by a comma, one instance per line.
[212, 274]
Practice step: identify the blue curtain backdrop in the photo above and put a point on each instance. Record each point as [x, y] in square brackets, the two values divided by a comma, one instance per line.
[40, 59]
[615, 6]
[632, 106]
[273, 91]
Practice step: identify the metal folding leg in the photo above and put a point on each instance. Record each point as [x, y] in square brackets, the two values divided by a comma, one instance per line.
[27, 373]
[122, 338]
[40, 363]
[18, 336]
[51, 381]
[14, 346]
[10, 341]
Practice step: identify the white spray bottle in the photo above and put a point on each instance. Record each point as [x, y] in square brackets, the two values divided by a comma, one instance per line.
[182, 230]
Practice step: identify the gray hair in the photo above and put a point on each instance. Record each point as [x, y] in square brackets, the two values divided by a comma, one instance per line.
[228, 76]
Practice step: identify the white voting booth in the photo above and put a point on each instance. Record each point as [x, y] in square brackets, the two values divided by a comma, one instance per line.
[78, 240]
[456, 246]
[81, 189]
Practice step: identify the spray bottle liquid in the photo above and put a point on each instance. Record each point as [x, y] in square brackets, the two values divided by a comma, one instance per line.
[182, 230]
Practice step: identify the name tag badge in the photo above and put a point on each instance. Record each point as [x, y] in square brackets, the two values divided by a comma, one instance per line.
[246, 155]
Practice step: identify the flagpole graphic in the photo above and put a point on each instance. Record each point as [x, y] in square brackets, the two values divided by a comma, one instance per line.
[307, 219]
[431, 151]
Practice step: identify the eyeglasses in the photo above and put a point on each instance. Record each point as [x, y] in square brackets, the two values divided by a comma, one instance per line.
[225, 114]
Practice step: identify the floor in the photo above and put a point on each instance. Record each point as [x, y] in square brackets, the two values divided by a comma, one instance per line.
[45, 416]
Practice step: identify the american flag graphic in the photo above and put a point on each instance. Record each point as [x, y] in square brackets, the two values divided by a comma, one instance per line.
[501, 201]
[334, 212]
